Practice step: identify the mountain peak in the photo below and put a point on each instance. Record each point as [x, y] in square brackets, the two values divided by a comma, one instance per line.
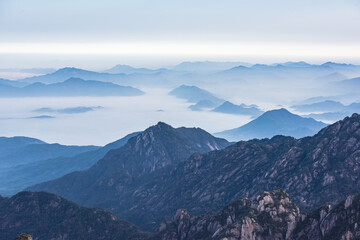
[69, 69]
[275, 122]
[74, 80]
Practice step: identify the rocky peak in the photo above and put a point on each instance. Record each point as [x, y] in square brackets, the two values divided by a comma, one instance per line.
[349, 125]
[277, 204]
[23, 236]
[271, 215]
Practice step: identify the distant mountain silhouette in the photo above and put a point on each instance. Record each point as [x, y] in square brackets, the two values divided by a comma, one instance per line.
[353, 83]
[328, 110]
[10, 145]
[207, 66]
[72, 110]
[324, 106]
[20, 150]
[243, 109]
[47, 167]
[71, 72]
[194, 94]
[274, 122]
[70, 87]
[12, 83]
[126, 69]
[202, 104]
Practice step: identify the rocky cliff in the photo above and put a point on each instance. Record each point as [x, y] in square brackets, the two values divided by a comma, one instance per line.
[271, 215]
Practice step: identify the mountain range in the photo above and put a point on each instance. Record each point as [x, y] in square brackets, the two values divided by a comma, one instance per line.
[63, 74]
[48, 161]
[141, 184]
[70, 87]
[194, 94]
[243, 109]
[270, 215]
[274, 122]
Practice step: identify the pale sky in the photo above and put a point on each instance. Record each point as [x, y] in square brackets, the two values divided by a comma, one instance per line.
[58, 32]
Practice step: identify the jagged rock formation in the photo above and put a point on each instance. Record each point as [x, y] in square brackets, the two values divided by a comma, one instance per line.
[23, 236]
[271, 215]
[339, 222]
[313, 171]
[47, 216]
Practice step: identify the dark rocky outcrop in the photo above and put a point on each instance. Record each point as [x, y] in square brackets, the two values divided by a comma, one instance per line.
[47, 216]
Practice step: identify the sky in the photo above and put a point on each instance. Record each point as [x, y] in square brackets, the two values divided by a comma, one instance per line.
[152, 33]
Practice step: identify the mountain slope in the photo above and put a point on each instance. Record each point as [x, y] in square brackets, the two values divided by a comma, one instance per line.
[271, 215]
[22, 176]
[71, 72]
[194, 94]
[21, 150]
[312, 170]
[47, 216]
[242, 109]
[72, 87]
[327, 105]
[155, 148]
[274, 122]
[10, 145]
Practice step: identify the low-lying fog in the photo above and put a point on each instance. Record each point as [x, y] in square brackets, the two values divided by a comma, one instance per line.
[118, 117]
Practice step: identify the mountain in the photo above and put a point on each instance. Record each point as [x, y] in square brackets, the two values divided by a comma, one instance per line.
[71, 87]
[324, 106]
[350, 84]
[21, 150]
[207, 66]
[274, 122]
[194, 94]
[271, 215]
[158, 147]
[71, 110]
[126, 69]
[202, 104]
[317, 170]
[10, 145]
[45, 168]
[230, 108]
[335, 76]
[329, 110]
[47, 216]
[70, 72]
[11, 83]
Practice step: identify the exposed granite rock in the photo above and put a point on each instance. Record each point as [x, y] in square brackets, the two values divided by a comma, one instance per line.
[23, 236]
[270, 216]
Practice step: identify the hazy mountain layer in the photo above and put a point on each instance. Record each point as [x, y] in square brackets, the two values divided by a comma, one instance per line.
[274, 122]
[70, 87]
[19, 177]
